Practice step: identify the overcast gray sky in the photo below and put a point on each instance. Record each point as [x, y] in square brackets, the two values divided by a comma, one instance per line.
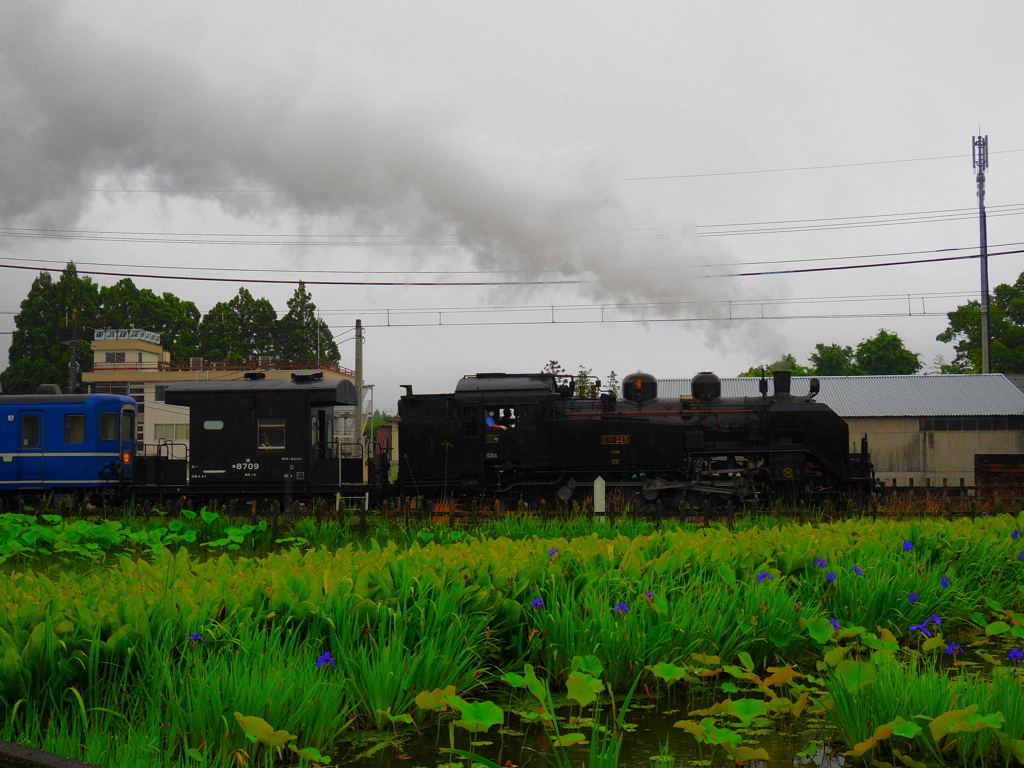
[624, 163]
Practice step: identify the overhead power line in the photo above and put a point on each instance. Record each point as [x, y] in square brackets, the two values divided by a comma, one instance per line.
[806, 167]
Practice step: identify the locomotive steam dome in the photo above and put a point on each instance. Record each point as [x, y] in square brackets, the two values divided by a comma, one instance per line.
[705, 386]
[639, 387]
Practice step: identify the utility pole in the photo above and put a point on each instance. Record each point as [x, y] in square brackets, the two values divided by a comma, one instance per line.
[359, 382]
[980, 152]
[73, 366]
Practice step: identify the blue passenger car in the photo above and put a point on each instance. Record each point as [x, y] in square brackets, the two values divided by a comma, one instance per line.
[50, 442]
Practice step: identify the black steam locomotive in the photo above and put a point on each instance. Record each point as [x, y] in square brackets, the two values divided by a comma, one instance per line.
[528, 436]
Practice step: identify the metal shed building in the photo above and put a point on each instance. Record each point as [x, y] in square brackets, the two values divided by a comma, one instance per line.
[923, 431]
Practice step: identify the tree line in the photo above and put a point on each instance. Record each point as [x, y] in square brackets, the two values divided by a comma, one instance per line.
[57, 314]
[884, 354]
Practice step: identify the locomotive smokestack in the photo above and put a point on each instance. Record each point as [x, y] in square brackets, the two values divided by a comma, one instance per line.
[781, 380]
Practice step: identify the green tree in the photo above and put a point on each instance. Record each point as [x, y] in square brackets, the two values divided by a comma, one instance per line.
[1006, 332]
[785, 363]
[240, 329]
[123, 305]
[52, 317]
[833, 360]
[884, 355]
[301, 335]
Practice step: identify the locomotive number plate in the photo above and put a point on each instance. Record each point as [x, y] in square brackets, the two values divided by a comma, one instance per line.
[614, 439]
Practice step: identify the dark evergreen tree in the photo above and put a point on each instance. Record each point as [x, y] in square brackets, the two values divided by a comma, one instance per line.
[240, 329]
[126, 306]
[53, 317]
[301, 335]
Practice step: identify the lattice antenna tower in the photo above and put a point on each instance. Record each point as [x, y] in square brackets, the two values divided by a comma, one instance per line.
[979, 148]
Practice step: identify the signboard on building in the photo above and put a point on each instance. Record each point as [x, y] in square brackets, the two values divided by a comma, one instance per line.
[125, 334]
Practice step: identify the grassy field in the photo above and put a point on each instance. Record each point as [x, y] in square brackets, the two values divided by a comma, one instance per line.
[209, 641]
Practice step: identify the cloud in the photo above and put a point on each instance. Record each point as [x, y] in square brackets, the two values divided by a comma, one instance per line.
[85, 96]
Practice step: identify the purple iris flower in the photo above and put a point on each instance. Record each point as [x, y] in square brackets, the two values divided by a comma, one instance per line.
[325, 659]
[764, 575]
[831, 576]
[648, 594]
[554, 551]
[820, 562]
[954, 648]
[1015, 534]
[195, 637]
[834, 623]
[907, 545]
[1016, 654]
[922, 628]
[912, 597]
[856, 569]
[944, 582]
[621, 608]
[537, 604]
[935, 620]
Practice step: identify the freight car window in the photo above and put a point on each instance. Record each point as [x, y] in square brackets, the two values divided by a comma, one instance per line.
[108, 426]
[74, 428]
[270, 432]
[29, 431]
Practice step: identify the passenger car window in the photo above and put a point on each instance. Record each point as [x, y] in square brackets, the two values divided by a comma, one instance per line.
[270, 432]
[29, 431]
[127, 425]
[74, 428]
[108, 426]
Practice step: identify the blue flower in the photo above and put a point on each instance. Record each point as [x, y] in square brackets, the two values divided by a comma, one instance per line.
[621, 608]
[648, 594]
[195, 637]
[1015, 534]
[830, 576]
[856, 569]
[954, 648]
[944, 582]
[935, 620]
[912, 597]
[537, 604]
[1016, 654]
[907, 545]
[764, 575]
[922, 628]
[325, 659]
[1021, 557]
[984, 511]
[820, 562]
[834, 623]
[553, 551]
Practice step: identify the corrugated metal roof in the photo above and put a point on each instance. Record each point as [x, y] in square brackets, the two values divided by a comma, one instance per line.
[983, 394]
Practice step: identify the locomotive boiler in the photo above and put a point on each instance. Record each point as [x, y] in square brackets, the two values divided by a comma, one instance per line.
[528, 436]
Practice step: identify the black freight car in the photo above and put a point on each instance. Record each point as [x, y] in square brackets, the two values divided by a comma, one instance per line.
[259, 437]
[526, 436]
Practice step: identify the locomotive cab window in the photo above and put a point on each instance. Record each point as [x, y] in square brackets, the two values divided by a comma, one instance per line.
[270, 433]
[108, 426]
[74, 427]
